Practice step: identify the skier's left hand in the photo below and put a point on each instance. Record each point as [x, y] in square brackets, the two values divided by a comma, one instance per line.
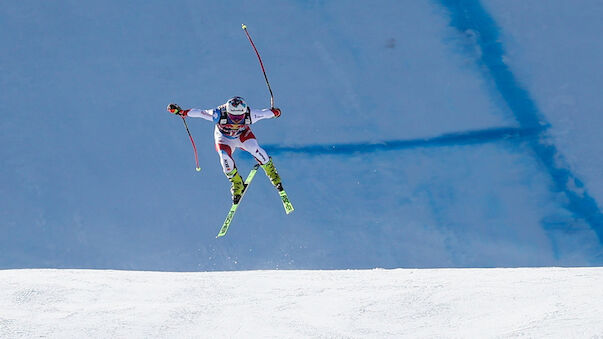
[276, 111]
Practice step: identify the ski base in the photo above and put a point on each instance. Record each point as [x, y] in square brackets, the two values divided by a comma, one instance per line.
[234, 207]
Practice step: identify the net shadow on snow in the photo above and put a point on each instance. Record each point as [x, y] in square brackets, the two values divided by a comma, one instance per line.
[471, 16]
[581, 205]
[449, 139]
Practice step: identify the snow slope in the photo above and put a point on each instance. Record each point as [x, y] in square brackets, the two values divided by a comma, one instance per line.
[414, 134]
[449, 303]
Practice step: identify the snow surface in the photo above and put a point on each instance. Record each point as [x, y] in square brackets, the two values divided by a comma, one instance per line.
[421, 134]
[433, 169]
[564, 74]
[400, 303]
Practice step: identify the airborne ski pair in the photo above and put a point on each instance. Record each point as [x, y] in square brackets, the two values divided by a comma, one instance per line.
[235, 205]
[232, 131]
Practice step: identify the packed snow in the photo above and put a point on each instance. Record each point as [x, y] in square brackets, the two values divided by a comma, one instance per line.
[417, 303]
[423, 134]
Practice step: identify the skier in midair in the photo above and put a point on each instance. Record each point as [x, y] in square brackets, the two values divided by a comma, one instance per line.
[232, 131]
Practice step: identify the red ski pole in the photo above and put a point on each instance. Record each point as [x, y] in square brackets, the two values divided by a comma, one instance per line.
[192, 142]
[261, 64]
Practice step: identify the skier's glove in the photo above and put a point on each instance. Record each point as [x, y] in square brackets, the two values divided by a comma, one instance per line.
[276, 111]
[175, 109]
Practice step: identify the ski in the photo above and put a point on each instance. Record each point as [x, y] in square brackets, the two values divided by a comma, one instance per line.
[285, 199]
[234, 207]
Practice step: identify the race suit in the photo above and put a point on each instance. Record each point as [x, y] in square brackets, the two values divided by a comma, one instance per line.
[229, 136]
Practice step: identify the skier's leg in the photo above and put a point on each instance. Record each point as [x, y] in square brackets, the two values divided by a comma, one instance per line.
[271, 172]
[226, 160]
[251, 145]
[258, 153]
[230, 170]
[225, 147]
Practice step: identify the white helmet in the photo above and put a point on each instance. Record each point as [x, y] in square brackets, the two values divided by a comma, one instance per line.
[236, 106]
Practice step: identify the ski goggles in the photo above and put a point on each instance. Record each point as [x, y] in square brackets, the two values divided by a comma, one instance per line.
[236, 118]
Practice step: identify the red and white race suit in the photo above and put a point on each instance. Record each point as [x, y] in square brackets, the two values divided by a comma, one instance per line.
[229, 136]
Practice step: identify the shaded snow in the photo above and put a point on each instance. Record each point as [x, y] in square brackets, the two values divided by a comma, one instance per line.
[96, 174]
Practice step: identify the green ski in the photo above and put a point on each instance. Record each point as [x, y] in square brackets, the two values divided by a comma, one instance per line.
[234, 207]
[286, 203]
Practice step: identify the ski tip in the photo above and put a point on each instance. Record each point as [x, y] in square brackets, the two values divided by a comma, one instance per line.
[243, 26]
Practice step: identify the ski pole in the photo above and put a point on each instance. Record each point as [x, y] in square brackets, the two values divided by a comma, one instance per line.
[192, 142]
[261, 64]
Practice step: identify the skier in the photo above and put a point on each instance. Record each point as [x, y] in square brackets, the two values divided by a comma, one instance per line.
[232, 131]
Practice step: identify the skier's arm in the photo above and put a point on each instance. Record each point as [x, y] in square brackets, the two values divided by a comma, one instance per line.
[267, 113]
[207, 114]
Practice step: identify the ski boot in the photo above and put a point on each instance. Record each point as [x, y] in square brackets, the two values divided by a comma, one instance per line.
[237, 187]
[272, 174]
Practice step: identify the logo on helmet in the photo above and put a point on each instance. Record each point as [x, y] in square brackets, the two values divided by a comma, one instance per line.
[236, 109]
[236, 106]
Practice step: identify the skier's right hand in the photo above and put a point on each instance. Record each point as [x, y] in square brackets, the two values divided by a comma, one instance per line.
[175, 109]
